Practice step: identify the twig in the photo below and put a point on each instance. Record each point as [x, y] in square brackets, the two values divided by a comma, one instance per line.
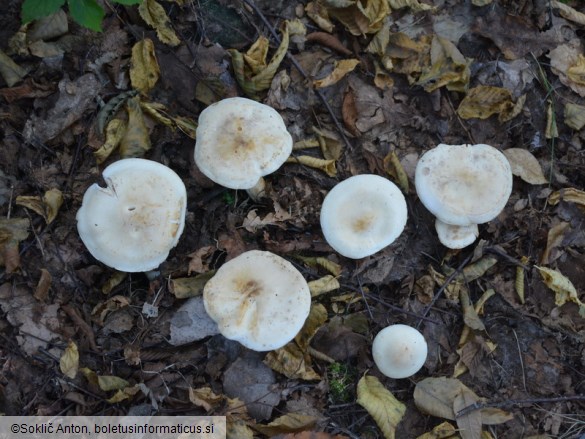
[498, 251]
[445, 285]
[512, 402]
[300, 69]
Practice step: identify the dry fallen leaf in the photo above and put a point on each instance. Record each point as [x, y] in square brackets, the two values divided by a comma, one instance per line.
[574, 115]
[69, 361]
[332, 267]
[11, 72]
[448, 67]
[114, 303]
[470, 423]
[386, 410]
[342, 68]
[12, 232]
[563, 288]
[136, 140]
[205, 397]
[47, 206]
[323, 285]
[327, 166]
[566, 61]
[444, 430]
[110, 382]
[525, 165]
[185, 287]
[414, 5]
[114, 133]
[289, 423]
[155, 16]
[144, 70]
[484, 101]
[570, 195]
[359, 17]
[43, 285]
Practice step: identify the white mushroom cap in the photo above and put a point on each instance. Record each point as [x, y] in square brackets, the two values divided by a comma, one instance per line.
[258, 299]
[456, 236]
[399, 351]
[362, 215]
[133, 223]
[464, 184]
[239, 141]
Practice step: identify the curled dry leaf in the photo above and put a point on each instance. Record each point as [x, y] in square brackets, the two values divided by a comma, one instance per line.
[327, 166]
[570, 195]
[444, 430]
[114, 133]
[289, 423]
[113, 281]
[414, 5]
[155, 16]
[144, 69]
[525, 165]
[43, 285]
[568, 63]
[386, 410]
[205, 397]
[564, 289]
[185, 287]
[47, 206]
[317, 12]
[341, 69]
[331, 146]
[394, 168]
[568, 12]
[448, 67]
[484, 101]
[323, 285]
[328, 40]
[136, 140]
[359, 18]
[69, 361]
[114, 303]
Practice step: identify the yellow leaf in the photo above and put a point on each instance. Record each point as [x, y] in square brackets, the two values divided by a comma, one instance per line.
[254, 83]
[155, 16]
[441, 431]
[470, 316]
[360, 17]
[563, 288]
[525, 165]
[570, 195]
[331, 146]
[114, 133]
[341, 69]
[185, 287]
[576, 72]
[113, 281]
[155, 110]
[289, 423]
[415, 5]
[551, 131]
[481, 2]
[69, 361]
[47, 206]
[204, 397]
[330, 266]
[238, 429]
[10, 71]
[317, 318]
[110, 382]
[483, 101]
[136, 140]
[519, 281]
[574, 115]
[144, 70]
[186, 125]
[448, 67]
[568, 12]
[386, 410]
[256, 55]
[291, 362]
[323, 285]
[394, 169]
[327, 166]
[90, 375]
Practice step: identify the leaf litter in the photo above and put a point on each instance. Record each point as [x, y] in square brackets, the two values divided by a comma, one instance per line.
[397, 81]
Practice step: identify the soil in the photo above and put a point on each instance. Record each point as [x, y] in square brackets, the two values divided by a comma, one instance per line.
[525, 357]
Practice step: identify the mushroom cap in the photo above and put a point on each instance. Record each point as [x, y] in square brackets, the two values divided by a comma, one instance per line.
[258, 299]
[239, 141]
[456, 237]
[464, 184]
[133, 223]
[399, 351]
[362, 215]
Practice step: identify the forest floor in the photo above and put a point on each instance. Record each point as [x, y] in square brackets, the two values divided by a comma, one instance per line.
[506, 328]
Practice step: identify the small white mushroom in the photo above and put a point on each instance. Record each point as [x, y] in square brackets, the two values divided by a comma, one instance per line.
[133, 223]
[258, 299]
[399, 351]
[463, 185]
[239, 141]
[456, 236]
[362, 215]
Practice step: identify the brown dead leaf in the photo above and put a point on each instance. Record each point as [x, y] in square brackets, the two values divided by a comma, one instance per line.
[12, 232]
[205, 397]
[43, 285]
[114, 303]
[185, 287]
[252, 223]
[525, 165]
[484, 101]
[113, 281]
[553, 240]
[469, 424]
[199, 259]
[317, 12]
[359, 17]
[414, 5]
[328, 40]
[291, 362]
[349, 112]
[395, 170]
[448, 67]
[329, 142]
[566, 62]
[470, 316]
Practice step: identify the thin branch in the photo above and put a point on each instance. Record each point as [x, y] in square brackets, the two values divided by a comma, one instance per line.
[445, 285]
[296, 64]
[513, 402]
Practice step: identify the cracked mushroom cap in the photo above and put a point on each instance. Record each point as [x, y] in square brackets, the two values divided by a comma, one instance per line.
[258, 299]
[239, 141]
[399, 351]
[133, 222]
[464, 184]
[362, 215]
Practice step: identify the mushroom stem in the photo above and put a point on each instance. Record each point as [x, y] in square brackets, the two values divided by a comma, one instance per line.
[456, 237]
[257, 191]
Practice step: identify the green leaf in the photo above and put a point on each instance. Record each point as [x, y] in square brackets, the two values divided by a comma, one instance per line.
[35, 9]
[87, 13]
[127, 2]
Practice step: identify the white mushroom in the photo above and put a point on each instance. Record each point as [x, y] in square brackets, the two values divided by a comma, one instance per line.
[239, 141]
[463, 185]
[399, 351]
[133, 223]
[362, 215]
[456, 236]
[258, 299]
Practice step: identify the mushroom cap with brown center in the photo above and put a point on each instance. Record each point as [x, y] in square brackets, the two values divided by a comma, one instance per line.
[133, 223]
[464, 184]
[362, 215]
[239, 141]
[258, 299]
[399, 351]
